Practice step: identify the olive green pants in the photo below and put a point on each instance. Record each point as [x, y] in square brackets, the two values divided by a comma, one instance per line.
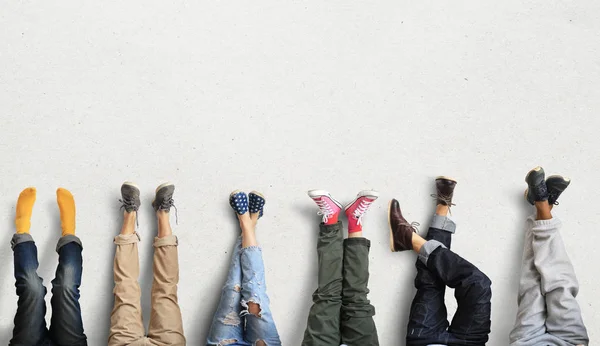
[341, 312]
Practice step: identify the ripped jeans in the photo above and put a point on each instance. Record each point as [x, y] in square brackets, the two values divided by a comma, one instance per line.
[233, 324]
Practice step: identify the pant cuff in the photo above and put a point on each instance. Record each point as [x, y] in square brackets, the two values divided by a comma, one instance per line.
[444, 223]
[122, 239]
[357, 241]
[336, 227]
[170, 240]
[427, 249]
[544, 225]
[64, 240]
[19, 238]
[253, 248]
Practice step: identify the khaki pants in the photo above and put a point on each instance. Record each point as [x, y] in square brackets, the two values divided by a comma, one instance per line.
[126, 325]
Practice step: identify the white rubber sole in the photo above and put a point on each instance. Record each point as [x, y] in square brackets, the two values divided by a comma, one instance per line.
[364, 193]
[129, 183]
[163, 185]
[319, 193]
[234, 193]
[258, 194]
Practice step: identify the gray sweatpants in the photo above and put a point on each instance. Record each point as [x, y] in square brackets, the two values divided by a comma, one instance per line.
[548, 313]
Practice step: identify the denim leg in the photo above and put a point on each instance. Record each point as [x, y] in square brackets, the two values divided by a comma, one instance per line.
[428, 319]
[323, 326]
[30, 324]
[259, 327]
[472, 289]
[66, 325]
[356, 324]
[227, 324]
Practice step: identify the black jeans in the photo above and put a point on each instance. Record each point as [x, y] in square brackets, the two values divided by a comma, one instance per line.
[428, 322]
[66, 323]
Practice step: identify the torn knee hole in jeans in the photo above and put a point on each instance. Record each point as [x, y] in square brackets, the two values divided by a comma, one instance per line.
[237, 288]
[251, 307]
[227, 342]
[232, 319]
[260, 343]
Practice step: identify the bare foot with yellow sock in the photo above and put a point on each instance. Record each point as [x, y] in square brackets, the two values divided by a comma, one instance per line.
[24, 210]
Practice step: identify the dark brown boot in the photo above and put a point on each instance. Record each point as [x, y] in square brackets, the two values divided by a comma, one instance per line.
[445, 190]
[401, 231]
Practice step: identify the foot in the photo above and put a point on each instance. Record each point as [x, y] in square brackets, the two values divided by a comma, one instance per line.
[401, 232]
[357, 208]
[130, 197]
[163, 200]
[444, 190]
[256, 203]
[238, 200]
[329, 207]
[24, 210]
[66, 205]
[537, 191]
[556, 185]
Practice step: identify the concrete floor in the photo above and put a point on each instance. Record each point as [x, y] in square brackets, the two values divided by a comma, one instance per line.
[284, 97]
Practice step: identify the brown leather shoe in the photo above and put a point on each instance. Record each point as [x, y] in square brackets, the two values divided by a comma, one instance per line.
[401, 231]
[445, 190]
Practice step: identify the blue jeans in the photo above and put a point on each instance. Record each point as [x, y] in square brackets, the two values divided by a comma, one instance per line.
[232, 323]
[66, 328]
[438, 267]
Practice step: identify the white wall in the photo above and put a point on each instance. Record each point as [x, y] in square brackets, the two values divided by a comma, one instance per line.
[287, 96]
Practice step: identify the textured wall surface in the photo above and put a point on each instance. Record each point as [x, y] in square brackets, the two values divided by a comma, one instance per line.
[286, 96]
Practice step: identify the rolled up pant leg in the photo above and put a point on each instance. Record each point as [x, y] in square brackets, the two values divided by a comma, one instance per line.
[323, 326]
[166, 325]
[126, 325]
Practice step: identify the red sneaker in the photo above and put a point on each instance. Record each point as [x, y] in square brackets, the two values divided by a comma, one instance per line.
[328, 206]
[357, 208]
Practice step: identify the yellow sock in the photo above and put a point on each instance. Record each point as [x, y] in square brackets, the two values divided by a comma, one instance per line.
[24, 209]
[66, 205]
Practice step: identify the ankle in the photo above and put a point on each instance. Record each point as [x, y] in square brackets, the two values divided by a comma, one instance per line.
[332, 219]
[442, 210]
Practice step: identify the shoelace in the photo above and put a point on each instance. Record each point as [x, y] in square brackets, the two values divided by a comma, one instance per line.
[361, 210]
[130, 203]
[324, 209]
[444, 199]
[414, 225]
[166, 205]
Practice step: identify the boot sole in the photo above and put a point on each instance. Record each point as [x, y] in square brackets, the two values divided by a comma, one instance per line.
[447, 178]
[390, 227]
